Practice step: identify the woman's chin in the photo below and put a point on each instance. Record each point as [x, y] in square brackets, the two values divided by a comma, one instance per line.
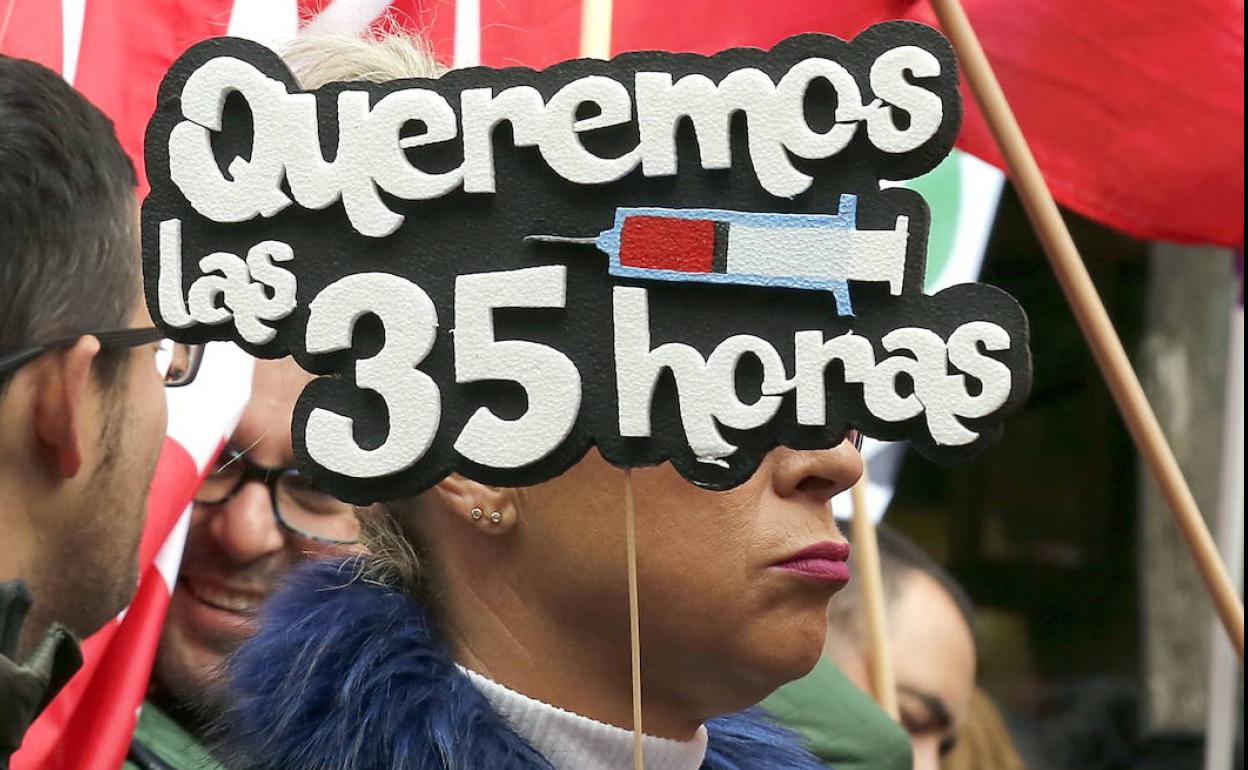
[788, 652]
[799, 662]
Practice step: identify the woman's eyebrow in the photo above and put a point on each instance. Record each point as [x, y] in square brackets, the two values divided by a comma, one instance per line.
[937, 712]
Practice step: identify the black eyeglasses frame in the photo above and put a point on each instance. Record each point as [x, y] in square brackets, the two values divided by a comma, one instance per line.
[269, 477]
[111, 339]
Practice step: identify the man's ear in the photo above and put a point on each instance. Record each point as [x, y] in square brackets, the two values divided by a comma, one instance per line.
[61, 408]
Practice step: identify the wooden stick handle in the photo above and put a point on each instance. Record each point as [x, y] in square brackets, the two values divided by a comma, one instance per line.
[596, 44]
[634, 616]
[871, 585]
[1089, 311]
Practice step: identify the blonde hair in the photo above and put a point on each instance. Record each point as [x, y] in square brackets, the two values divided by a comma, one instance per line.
[985, 742]
[396, 555]
[323, 58]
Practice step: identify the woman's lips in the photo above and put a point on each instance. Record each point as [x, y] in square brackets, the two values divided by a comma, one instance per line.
[826, 562]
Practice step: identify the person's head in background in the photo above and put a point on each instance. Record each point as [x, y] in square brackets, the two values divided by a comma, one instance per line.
[82, 411]
[254, 518]
[931, 642]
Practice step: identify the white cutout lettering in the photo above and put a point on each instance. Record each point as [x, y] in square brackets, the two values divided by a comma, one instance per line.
[370, 159]
[228, 287]
[548, 377]
[708, 396]
[413, 401]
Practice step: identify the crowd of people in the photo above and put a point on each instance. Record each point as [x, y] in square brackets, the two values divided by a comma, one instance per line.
[467, 627]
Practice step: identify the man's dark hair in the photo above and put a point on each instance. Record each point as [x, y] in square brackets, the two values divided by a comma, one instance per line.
[68, 237]
[900, 559]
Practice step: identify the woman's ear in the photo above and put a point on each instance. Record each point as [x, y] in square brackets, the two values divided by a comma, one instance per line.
[492, 510]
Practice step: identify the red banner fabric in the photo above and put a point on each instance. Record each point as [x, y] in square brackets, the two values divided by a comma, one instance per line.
[1135, 111]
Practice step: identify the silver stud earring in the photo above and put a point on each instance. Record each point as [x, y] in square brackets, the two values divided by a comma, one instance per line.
[476, 514]
[496, 518]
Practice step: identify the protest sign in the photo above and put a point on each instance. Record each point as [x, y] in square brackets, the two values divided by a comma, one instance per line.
[666, 256]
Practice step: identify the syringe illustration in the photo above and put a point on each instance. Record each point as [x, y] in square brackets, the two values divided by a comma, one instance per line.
[819, 252]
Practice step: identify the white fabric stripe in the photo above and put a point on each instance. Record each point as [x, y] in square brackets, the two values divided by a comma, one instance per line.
[467, 33]
[73, 16]
[204, 412]
[597, 18]
[346, 17]
[272, 23]
[169, 558]
[883, 460]
[820, 253]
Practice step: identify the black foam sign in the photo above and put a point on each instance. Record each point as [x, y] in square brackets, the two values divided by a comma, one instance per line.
[667, 256]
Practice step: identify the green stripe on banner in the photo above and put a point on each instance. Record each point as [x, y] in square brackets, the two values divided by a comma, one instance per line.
[942, 187]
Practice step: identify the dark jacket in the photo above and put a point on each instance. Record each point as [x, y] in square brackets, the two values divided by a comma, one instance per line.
[26, 688]
[347, 673]
[161, 743]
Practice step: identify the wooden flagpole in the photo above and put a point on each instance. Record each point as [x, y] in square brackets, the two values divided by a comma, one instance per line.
[4, 21]
[871, 584]
[596, 44]
[596, 29]
[1089, 311]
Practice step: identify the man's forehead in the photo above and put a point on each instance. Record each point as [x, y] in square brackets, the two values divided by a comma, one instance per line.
[264, 429]
[279, 378]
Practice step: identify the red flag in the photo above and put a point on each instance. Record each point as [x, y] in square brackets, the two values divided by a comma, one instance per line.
[1135, 111]
[32, 31]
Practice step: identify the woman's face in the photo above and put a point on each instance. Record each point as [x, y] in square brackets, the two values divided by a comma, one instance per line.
[730, 607]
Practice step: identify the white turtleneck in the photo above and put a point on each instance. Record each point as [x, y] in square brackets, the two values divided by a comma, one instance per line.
[572, 742]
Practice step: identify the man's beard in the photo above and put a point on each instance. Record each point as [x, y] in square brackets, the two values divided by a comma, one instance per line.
[124, 498]
[180, 690]
[195, 693]
[95, 573]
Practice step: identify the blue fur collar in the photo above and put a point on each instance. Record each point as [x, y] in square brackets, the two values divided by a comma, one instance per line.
[347, 674]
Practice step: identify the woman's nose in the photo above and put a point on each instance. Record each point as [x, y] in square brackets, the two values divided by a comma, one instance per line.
[819, 474]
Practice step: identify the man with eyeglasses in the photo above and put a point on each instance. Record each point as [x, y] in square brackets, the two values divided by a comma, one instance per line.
[254, 519]
[82, 377]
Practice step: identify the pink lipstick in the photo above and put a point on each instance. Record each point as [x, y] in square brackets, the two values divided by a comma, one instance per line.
[826, 562]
